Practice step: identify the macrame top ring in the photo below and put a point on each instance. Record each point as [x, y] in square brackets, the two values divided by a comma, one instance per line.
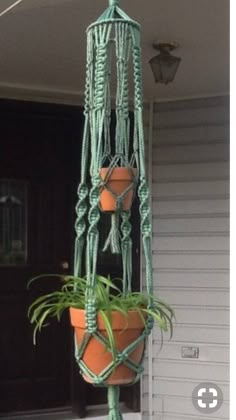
[114, 2]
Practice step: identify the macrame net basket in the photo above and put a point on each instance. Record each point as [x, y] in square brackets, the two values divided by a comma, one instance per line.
[113, 47]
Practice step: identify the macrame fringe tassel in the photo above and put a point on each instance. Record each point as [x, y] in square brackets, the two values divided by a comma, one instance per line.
[113, 239]
[113, 403]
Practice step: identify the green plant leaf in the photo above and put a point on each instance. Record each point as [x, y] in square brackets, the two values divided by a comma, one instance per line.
[41, 276]
[74, 292]
[107, 282]
[110, 334]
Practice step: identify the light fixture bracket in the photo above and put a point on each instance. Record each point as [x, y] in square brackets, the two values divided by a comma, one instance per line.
[165, 47]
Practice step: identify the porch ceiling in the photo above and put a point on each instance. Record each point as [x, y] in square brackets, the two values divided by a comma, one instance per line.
[43, 45]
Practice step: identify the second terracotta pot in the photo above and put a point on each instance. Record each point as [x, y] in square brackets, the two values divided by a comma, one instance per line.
[118, 181]
[96, 357]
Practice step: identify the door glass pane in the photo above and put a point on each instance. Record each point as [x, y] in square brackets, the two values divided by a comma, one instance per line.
[13, 228]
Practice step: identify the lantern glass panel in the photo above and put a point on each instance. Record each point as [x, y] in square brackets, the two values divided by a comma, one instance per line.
[164, 67]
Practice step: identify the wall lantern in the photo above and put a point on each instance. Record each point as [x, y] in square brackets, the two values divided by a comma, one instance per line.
[164, 65]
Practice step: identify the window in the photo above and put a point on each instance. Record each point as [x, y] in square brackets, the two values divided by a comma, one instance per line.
[13, 227]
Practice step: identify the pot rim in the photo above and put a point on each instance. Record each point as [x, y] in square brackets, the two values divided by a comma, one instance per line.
[119, 321]
[119, 173]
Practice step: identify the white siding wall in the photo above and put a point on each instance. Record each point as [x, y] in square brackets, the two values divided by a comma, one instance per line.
[190, 191]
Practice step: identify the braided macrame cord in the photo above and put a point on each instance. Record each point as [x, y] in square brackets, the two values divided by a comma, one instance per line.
[113, 34]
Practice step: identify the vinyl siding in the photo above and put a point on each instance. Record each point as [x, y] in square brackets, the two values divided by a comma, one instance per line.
[190, 212]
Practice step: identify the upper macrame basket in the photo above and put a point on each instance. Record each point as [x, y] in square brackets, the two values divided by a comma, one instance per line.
[112, 170]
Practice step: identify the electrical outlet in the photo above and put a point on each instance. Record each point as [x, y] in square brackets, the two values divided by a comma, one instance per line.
[190, 352]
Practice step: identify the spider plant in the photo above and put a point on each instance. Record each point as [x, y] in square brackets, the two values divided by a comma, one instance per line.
[109, 298]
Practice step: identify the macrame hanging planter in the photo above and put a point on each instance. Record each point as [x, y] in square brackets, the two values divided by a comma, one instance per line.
[112, 168]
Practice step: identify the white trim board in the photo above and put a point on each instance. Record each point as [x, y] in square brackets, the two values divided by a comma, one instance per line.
[72, 97]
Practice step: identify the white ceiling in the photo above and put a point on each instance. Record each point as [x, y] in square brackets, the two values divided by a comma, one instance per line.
[43, 45]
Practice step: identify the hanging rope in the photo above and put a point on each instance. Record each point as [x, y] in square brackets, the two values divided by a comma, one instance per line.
[114, 34]
[113, 403]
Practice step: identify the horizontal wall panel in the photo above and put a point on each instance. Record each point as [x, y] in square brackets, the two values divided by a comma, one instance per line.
[196, 334]
[186, 135]
[200, 371]
[191, 153]
[191, 117]
[193, 279]
[190, 243]
[172, 351]
[190, 206]
[193, 261]
[194, 224]
[193, 296]
[202, 103]
[178, 387]
[177, 405]
[208, 170]
[218, 315]
[190, 189]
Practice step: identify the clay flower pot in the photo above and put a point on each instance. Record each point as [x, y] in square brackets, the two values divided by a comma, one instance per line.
[118, 181]
[96, 357]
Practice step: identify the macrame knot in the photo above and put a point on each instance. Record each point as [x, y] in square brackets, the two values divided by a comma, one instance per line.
[119, 202]
[113, 239]
[98, 380]
[125, 355]
[149, 325]
[119, 357]
[91, 316]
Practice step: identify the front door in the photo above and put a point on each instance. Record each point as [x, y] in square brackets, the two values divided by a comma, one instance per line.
[39, 157]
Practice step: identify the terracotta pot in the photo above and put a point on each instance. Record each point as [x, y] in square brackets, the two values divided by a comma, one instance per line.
[118, 181]
[96, 357]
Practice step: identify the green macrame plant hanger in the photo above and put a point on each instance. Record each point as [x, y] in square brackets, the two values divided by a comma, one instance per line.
[113, 38]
